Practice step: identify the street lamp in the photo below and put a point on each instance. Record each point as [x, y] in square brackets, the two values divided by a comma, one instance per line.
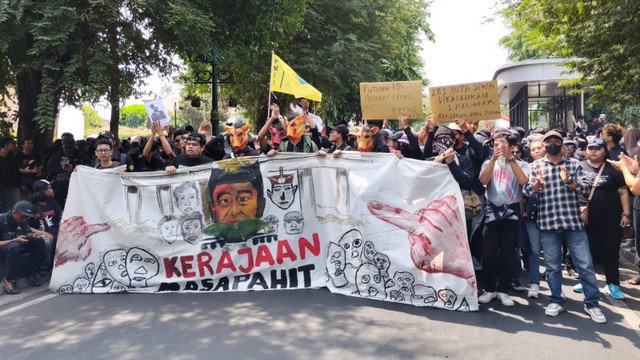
[213, 77]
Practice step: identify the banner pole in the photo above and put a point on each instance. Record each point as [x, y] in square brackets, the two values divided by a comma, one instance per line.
[270, 81]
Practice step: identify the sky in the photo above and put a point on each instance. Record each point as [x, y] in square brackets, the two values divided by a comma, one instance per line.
[465, 49]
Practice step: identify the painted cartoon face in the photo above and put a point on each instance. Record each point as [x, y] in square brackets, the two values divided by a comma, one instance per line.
[366, 140]
[80, 285]
[423, 295]
[404, 280]
[115, 261]
[141, 266]
[369, 282]
[448, 297]
[293, 223]
[191, 230]
[351, 242]
[235, 202]
[90, 270]
[103, 281]
[368, 252]
[336, 265]
[282, 195]
[296, 128]
[239, 138]
[187, 200]
[169, 231]
[382, 262]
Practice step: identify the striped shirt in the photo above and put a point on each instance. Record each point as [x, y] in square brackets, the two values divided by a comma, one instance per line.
[558, 205]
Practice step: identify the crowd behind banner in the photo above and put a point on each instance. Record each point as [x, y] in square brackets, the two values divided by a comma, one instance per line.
[563, 196]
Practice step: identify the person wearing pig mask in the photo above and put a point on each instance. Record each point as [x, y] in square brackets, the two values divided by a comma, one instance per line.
[238, 135]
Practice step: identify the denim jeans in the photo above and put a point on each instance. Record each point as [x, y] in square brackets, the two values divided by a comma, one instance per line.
[536, 249]
[578, 244]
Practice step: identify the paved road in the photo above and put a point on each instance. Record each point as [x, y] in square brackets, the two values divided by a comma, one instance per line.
[307, 324]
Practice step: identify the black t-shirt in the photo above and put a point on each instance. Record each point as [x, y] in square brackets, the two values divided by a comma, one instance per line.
[184, 160]
[28, 162]
[9, 173]
[142, 165]
[47, 217]
[614, 153]
[606, 197]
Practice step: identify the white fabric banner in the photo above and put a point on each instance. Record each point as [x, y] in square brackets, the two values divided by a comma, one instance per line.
[367, 225]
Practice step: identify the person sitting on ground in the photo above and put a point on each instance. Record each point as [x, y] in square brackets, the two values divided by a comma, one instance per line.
[16, 239]
[192, 156]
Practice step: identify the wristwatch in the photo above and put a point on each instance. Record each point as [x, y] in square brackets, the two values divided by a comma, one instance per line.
[513, 159]
[570, 181]
[626, 215]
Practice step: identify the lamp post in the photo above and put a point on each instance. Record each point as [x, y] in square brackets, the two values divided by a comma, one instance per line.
[213, 77]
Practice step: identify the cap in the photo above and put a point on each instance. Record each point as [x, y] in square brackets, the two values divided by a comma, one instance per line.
[443, 130]
[551, 134]
[603, 116]
[454, 127]
[24, 207]
[403, 139]
[386, 133]
[340, 129]
[68, 143]
[570, 142]
[40, 185]
[596, 142]
[106, 134]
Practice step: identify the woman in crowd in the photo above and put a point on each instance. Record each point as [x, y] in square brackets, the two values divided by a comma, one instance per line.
[609, 209]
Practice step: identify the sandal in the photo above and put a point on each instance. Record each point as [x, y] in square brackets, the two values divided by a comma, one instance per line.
[635, 280]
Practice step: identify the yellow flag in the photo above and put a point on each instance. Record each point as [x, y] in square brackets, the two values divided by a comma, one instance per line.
[285, 80]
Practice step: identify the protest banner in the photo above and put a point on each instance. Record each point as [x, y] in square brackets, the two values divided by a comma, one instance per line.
[290, 222]
[388, 100]
[157, 111]
[471, 102]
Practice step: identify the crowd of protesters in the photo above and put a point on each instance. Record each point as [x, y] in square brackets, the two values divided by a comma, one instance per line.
[530, 189]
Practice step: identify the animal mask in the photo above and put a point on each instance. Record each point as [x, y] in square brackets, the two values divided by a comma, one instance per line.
[296, 128]
[239, 137]
[367, 138]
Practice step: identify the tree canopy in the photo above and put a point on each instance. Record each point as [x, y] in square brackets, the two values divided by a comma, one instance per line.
[603, 38]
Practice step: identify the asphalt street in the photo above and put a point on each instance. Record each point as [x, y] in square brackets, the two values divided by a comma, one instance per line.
[309, 324]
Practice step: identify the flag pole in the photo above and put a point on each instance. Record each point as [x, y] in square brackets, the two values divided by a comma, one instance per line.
[270, 81]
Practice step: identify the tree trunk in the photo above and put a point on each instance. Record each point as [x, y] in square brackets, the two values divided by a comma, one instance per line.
[29, 86]
[114, 87]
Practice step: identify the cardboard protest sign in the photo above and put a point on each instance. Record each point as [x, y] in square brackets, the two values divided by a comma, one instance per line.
[471, 102]
[290, 222]
[157, 111]
[388, 100]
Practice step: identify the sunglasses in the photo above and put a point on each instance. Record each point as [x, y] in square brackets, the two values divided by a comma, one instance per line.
[194, 138]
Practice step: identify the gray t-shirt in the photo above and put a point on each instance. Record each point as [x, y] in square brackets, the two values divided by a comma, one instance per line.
[504, 188]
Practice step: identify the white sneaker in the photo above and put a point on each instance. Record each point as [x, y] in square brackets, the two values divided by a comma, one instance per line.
[486, 297]
[553, 309]
[596, 314]
[534, 291]
[505, 299]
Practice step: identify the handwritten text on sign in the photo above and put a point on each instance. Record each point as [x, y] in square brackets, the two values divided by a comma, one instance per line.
[472, 102]
[388, 100]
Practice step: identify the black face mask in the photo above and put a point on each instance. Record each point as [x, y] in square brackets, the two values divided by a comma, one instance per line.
[553, 149]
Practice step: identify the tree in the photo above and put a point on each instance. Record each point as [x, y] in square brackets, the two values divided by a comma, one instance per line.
[133, 116]
[601, 37]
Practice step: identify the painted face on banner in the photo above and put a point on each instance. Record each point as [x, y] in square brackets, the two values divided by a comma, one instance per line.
[103, 281]
[235, 202]
[169, 231]
[296, 128]
[366, 140]
[187, 199]
[239, 138]
[282, 195]
[115, 261]
[351, 242]
[191, 230]
[369, 282]
[141, 266]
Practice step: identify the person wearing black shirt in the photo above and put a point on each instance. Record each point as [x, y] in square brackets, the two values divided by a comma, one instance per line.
[60, 166]
[30, 167]
[192, 156]
[9, 174]
[47, 216]
[609, 209]
[18, 238]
